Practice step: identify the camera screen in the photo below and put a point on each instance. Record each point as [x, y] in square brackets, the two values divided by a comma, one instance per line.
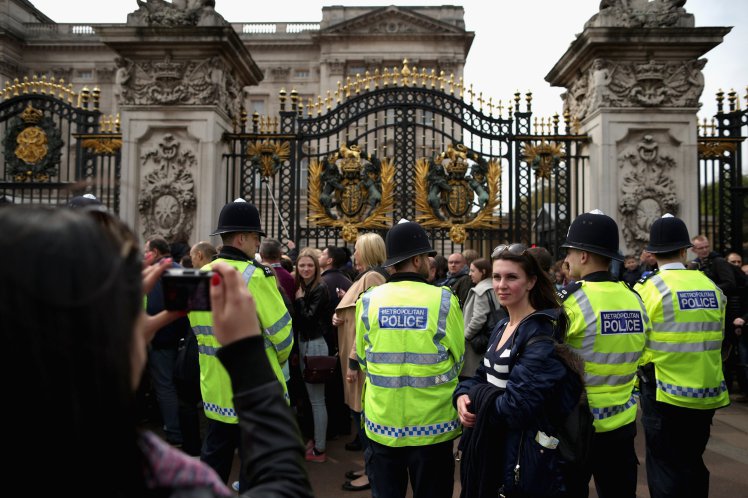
[189, 292]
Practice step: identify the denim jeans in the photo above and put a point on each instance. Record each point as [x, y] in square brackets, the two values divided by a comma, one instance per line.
[316, 347]
[161, 368]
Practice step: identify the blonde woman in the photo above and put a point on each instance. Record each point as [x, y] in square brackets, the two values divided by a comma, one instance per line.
[368, 257]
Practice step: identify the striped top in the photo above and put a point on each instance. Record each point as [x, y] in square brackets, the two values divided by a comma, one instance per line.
[496, 362]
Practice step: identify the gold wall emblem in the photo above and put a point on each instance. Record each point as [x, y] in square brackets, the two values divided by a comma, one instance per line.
[32, 147]
[351, 190]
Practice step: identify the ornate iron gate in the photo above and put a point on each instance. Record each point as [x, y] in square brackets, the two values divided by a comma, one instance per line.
[408, 144]
[723, 195]
[55, 147]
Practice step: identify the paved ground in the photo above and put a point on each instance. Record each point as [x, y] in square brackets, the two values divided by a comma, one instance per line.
[726, 457]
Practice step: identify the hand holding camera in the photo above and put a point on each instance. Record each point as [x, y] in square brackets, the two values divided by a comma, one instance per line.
[234, 307]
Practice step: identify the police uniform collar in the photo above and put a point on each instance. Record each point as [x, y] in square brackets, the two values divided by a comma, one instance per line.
[230, 252]
[598, 276]
[672, 266]
[407, 276]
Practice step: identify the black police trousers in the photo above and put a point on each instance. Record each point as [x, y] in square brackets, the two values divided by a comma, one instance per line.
[431, 469]
[613, 464]
[676, 438]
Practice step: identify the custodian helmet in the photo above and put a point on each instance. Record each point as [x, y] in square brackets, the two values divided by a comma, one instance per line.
[668, 234]
[239, 216]
[405, 240]
[594, 232]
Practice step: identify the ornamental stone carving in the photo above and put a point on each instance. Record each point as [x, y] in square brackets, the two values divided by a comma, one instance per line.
[167, 196]
[636, 84]
[641, 14]
[169, 82]
[175, 13]
[647, 190]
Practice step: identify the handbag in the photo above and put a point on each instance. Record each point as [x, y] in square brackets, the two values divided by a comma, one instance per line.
[479, 342]
[319, 369]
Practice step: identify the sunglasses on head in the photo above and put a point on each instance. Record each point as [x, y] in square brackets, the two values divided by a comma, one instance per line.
[517, 249]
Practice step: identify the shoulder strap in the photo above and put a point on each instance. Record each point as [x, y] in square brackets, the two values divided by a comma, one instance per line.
[648, 276]
[569, 290]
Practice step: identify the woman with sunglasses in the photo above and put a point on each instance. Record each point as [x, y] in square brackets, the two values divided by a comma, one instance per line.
[507, 408]
[71, 305]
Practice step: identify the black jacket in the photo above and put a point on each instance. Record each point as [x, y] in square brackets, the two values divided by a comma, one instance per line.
[312, 316]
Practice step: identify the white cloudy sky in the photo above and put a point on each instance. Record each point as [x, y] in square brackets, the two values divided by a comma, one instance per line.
[516, 42]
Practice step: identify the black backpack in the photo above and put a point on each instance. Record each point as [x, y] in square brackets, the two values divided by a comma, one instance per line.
[576, 429]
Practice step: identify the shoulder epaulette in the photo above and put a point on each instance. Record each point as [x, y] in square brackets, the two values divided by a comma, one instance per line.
[648, 276]
[569, 290]
[266, 269]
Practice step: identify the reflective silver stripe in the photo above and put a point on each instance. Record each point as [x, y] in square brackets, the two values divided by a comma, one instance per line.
[278, 326]
[207, 350]
[408, 381]
[203, 330]
[611, 358]
[365, 302]
[284, 343]
[587, 352]
[268, 343]
[693, 392]
[412, 430]
[414, 358]
[226, 412]
[441, 327]
[590, 320]
[687, 327]
[609, 411]
[247, 273]
[685, 347]
[666, 296]
[607, 380]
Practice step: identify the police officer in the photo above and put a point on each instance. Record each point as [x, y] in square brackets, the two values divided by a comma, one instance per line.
[240, 231]
[409, 341]
[681, 378]
[607, 329]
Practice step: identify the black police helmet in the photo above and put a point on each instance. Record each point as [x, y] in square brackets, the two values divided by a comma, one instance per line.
[405, 240]
[239, 216]
[82, 201]
[668, 234]
[594, 232]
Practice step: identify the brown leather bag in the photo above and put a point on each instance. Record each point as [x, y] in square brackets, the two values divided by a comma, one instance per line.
[319, 369]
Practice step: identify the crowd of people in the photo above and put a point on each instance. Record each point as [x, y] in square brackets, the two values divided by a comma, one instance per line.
[494, 350]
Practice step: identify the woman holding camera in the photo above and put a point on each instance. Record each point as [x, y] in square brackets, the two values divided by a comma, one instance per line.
[78, 333]
[312, 316]
[507, 408]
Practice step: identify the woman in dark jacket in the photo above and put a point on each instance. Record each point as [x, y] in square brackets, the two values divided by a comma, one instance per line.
[508, 407]
[311, 319]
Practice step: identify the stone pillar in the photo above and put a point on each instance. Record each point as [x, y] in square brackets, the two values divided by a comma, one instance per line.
[179, 81]
[633, 80]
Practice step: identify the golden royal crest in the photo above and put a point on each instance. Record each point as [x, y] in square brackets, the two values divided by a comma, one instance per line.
[448, 197]
[32, 147]
[543, 157]
[351, 190]
[269, 156]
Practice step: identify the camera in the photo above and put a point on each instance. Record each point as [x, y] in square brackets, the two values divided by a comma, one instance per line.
[186, 289]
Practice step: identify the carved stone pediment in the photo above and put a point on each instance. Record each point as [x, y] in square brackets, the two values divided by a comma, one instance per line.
[641, 14]
[171, 82]
[636, 84]
[389, 21]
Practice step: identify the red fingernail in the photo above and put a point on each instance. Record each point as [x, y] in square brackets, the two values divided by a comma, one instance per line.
[215, 279]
